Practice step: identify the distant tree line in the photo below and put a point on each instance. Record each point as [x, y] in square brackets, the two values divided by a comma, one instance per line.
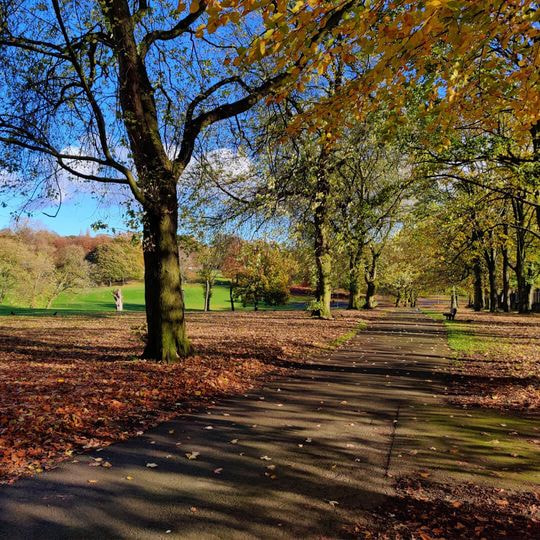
[37, 266]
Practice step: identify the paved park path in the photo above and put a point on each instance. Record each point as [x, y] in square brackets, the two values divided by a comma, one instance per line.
[299, 459]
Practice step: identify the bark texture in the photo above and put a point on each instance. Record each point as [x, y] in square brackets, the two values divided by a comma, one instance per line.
[371, 279]
[167, 339]
[323, 255]
[478, 297]
[355, 277]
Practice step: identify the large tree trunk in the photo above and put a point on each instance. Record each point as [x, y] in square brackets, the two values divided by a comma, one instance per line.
[118, 299]
[231, 295]
[354, 280]
[454, 300]
[323, 256]
[492, 290]
[491, 265]
[207, 295]
[371, 277]
[167, 340]
[370, 295]
[505, 300]
[155, 189]
[522, 288]
[478, 299]
[323, 261]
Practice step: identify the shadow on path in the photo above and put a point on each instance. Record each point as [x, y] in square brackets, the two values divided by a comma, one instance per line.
[298, 459]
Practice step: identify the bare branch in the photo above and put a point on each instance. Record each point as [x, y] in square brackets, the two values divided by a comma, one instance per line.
[102, 130]
[61, 159]
[40, 47]
[209, 91]
[194, 126]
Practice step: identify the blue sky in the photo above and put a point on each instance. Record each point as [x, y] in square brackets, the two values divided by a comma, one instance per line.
[187, 78]
[75, 216]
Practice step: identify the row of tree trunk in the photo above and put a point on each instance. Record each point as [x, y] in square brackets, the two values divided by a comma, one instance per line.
[488, 254]
[487, 294]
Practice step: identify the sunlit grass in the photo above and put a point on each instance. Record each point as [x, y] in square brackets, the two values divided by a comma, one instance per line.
[341, 340]
[461, 338]
[96, 300]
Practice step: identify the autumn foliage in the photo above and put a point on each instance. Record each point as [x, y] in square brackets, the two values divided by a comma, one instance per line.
[477, 58]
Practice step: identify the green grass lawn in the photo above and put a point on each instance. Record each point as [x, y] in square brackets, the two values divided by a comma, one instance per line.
[100, 299]
[461, 338]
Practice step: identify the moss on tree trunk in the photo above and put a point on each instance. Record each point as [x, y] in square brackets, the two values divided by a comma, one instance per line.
[323, 255]
[478, 298]
[355, 276]
[519, 268]
[167, 340]
[371, 278]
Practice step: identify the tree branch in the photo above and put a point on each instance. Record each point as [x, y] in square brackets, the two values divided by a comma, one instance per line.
[61, 157]
[209, 91]
[193, 127]
[34, 46]
[102, 130]
[506, 192]
[177, 30]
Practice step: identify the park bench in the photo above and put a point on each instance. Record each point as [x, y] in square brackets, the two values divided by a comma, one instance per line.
[450, 315]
